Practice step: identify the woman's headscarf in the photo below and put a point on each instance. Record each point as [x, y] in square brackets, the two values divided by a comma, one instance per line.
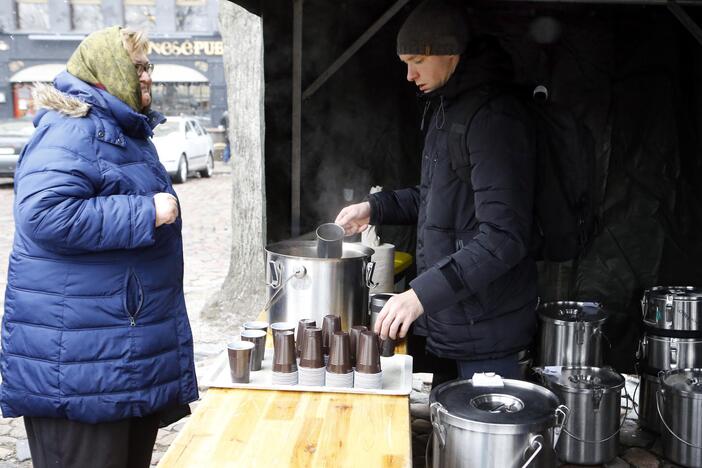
[102, 60]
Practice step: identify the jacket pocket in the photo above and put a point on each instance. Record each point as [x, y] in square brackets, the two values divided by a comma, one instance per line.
[133, 295]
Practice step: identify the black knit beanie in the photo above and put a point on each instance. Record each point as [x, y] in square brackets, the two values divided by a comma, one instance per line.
[435, 27]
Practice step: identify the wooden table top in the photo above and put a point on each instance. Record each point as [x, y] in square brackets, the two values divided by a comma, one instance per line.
[262, 428]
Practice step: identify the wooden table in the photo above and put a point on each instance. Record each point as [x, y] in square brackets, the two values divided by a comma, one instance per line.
[262, 428]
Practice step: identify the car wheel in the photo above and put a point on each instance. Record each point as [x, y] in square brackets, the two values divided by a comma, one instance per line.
[209, 168]
[182, 175]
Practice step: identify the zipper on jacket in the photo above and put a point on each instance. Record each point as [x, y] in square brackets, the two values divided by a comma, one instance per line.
[131, 274]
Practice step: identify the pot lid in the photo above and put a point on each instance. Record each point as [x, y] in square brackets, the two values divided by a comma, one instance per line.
[515, 404]
[570, 311]
[679, 293]
[308, 250]
[685, 382]
[582, 379]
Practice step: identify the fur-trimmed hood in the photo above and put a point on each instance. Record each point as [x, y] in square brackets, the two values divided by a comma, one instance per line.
[50, 98]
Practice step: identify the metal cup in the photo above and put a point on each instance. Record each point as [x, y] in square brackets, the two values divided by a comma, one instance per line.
[368, 358]
[311, 354]
[340, 354]
[330, 324]
[301, 325]
[330, 241]
[257, 325]
[354, 333]
[240, 360]
[258, 338]
[284, 352]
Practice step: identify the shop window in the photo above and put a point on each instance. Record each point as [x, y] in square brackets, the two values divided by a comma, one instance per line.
[33, 15]
[182, 98]
[192, 15]
[86, 15]
[140, 14]
[23, 99]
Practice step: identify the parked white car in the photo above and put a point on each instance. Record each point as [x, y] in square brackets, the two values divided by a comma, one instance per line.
[184, 146]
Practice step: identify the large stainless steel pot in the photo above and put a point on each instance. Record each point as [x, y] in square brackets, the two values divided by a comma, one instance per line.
[666, 353]
[507, 426]
[673, 308]
[571, 334]
[301, 285]
[680, 406]
[593, 396]
[648, 416]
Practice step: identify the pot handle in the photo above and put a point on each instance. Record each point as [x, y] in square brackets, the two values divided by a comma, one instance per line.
[659, 395]
[435, 410]
[370, 269]
[535, 444]
[275, 272]
[673, 357]
[561, 414]
[644, 304]
[300, 272]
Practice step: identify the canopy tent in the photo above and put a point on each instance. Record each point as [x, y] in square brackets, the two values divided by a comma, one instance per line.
[339, 115]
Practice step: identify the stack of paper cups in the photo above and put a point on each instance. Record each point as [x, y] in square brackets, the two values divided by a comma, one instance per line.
[284, 378]
[311, 377]
[369, 381]
[339, 380]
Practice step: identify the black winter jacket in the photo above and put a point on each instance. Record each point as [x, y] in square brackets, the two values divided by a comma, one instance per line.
[476, 280]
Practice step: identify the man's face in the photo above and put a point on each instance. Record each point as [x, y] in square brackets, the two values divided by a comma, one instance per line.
[143, 69]
[430, 72]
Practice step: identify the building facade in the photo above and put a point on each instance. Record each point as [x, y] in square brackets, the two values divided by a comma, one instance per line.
[38, 36]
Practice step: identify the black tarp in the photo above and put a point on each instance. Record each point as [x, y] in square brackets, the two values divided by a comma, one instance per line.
[632, 73]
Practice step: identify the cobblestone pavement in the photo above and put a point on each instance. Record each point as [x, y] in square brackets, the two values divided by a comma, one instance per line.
[206, 207]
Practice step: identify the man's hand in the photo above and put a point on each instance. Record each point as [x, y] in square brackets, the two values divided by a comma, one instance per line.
[166, 208]
[398, 314]
[354, 218]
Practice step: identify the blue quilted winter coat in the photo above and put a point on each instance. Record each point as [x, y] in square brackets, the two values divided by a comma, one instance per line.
[95, 327]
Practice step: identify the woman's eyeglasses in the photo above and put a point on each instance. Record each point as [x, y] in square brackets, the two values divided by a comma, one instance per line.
[144, 67]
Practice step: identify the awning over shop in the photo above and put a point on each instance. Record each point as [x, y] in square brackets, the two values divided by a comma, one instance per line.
[41, 73]
[170, 73]
[163, 73]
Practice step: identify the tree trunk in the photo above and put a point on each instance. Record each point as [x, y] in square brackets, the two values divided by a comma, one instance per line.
[243, 294]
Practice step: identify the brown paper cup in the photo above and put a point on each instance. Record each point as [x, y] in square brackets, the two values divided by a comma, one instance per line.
[330, 324]
[284, 352]
[311, 354]
[368, 359]
[340, 354]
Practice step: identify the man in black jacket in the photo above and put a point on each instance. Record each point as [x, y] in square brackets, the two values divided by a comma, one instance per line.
[475, 293]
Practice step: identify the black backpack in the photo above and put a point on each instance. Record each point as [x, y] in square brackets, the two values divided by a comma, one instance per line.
[564, 211]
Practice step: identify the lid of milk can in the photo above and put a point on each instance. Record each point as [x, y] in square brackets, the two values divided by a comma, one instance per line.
[582, 379]
[494, 405]
[685, 382]
[678, 293]
[571, 311]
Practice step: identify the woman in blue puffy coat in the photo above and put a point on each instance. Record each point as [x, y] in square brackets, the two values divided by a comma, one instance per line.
[96, 345]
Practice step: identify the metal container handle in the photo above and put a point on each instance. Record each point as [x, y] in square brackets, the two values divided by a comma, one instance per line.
[370, 269]
[659, 395]
[668, 310]
[299, 272]
[644, 304]
[535, 444]
[435, 410]
[673, 357]
[275, 271]
[561, 414]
